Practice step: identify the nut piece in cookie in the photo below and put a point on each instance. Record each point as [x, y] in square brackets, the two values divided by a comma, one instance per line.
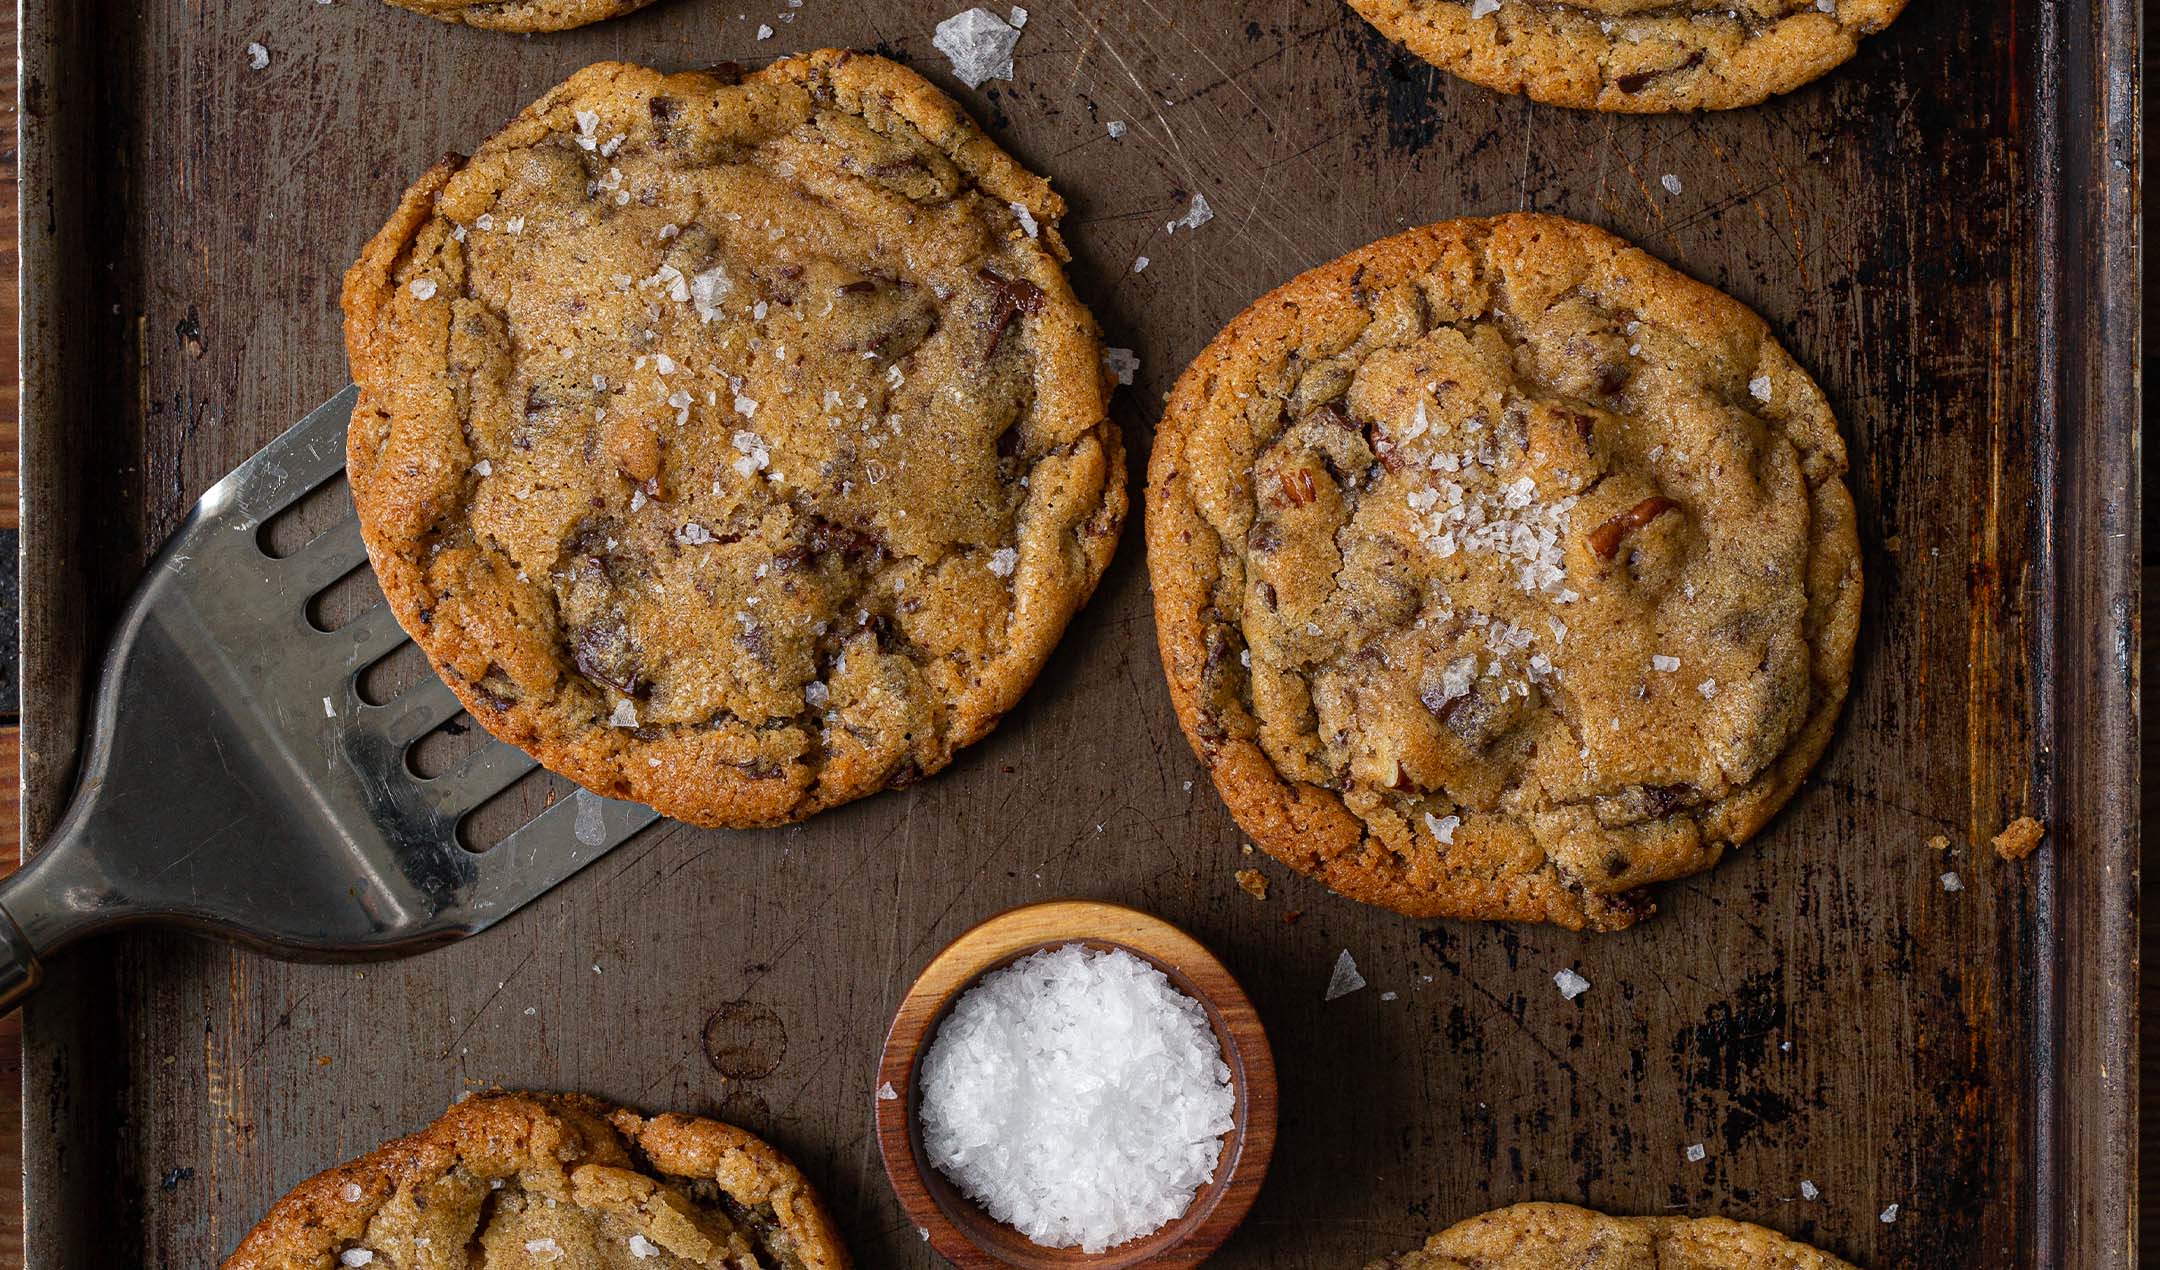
[1500, 571]
[513, 1179]
[734, 445]
[1634, 56]
[522, 16]
[1541, 1236]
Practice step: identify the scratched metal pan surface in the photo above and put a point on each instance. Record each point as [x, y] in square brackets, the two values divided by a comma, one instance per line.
[1941, 231]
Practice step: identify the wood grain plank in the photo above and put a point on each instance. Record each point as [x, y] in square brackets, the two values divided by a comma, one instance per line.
[11, 1121]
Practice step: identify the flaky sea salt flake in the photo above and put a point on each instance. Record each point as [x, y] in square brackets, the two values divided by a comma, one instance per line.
[1345, 979]
[1571, 985]
[1195, 216]
[707, 289]
[979, 44]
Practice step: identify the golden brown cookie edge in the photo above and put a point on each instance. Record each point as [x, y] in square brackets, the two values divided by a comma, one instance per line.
[1309, 828]
[307, 1226]
[1471, 49]
[727, 799]
[517, 18]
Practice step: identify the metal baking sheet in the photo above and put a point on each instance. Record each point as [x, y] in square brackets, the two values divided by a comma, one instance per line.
[1941, 231]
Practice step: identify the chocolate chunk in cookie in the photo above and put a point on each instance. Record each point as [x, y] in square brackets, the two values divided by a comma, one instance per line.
[1501, 571]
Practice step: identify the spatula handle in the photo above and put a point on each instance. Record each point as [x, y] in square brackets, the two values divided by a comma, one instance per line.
[59, 895]
[19, 968]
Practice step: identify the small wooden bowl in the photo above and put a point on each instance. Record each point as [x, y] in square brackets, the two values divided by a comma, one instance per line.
[969, 1237]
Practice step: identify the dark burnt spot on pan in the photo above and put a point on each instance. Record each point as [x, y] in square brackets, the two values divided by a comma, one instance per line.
[1402, 90]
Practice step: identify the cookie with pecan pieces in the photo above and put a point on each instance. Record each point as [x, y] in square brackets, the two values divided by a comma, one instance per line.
[1501, 571]
[559, 1180]
[1635, 56]
[735, 446]
[522, 16]
[1541, 1236]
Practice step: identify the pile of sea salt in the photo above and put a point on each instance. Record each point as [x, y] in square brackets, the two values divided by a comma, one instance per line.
[1078, 1097]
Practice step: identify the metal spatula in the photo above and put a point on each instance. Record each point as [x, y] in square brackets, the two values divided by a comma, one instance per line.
[236, 782]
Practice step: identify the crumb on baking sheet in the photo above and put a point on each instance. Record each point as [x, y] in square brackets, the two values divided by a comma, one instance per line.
[2019, 838]
[1938, 843]
[1253, 882]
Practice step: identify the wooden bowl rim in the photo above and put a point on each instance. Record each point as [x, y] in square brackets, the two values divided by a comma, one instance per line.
[1003, 939]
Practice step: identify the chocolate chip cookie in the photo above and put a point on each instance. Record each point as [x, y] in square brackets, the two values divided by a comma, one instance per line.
[1637, 56]
[557, 1180]
[734, 445]
[1540, 1236]
[522, 16]
[1501, 571]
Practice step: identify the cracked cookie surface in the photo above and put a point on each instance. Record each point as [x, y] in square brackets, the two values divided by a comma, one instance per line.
[522, 16]
[1540, 1236]
[1501, 571]
[526, 1179]
[734, 447]
[1635, 56]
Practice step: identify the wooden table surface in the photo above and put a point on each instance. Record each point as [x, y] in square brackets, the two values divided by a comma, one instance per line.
[11, 1221]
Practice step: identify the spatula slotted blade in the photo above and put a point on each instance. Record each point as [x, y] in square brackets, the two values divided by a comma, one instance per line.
[236, 780]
